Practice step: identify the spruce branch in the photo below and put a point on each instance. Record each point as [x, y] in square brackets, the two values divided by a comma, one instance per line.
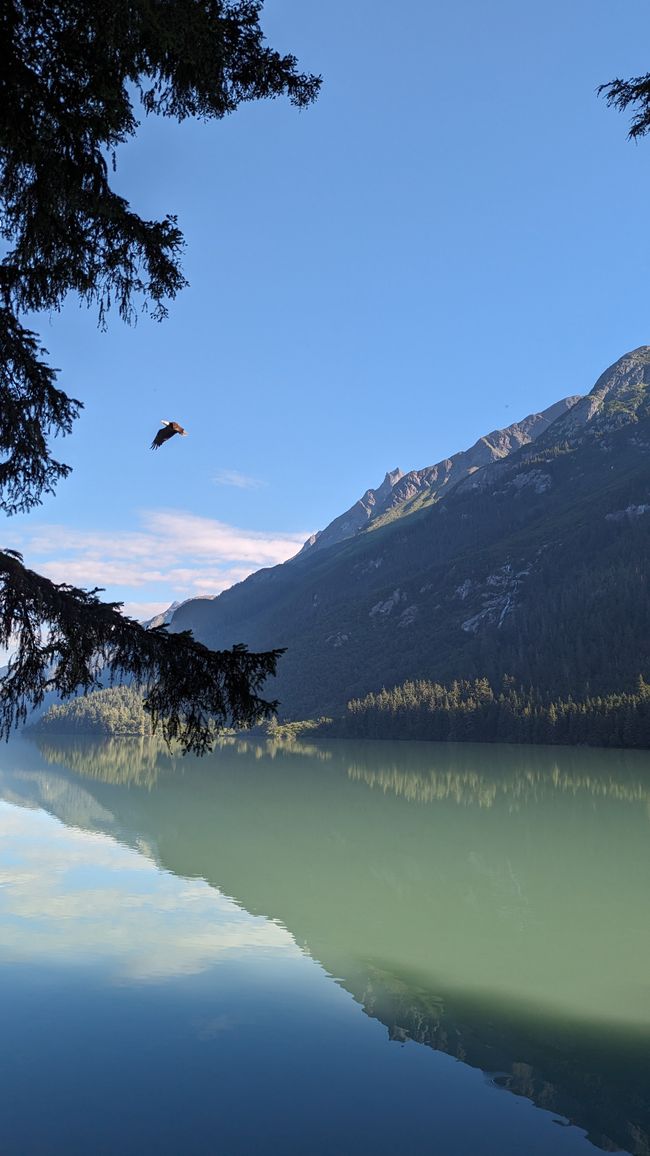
[66, 640]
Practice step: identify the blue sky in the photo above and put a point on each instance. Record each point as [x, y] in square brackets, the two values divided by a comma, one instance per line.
[457, 234]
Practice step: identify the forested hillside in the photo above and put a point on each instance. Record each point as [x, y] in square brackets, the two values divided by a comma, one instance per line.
[114, 711]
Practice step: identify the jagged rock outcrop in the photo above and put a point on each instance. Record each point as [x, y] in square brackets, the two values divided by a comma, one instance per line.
[357, 517]
[620, 396]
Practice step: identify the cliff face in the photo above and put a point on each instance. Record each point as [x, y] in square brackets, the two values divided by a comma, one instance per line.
[532, 564]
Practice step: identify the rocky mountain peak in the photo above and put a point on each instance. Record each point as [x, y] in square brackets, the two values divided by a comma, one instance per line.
[632, 369]
[373, 500]
[162, 619]
[391, 479]
[357, 517]
[618, 397]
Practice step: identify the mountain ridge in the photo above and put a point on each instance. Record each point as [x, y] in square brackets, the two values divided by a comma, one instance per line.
[531, 566]
[432, 482]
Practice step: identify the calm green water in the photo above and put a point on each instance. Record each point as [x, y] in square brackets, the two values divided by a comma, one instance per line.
[359, 948]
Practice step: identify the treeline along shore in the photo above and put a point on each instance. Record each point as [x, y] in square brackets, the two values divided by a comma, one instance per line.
[474, 711]
[466, 710]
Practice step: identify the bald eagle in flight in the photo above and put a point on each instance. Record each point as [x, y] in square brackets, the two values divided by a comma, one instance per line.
[163, 435]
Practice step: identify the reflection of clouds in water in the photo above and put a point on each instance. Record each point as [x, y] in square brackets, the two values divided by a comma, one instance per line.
[71, 896]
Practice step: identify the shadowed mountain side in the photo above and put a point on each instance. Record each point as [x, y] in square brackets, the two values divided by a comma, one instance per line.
[399, 900]
[534, 566]
[555, 1063]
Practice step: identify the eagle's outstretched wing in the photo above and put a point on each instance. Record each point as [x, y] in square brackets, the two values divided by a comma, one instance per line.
[163, 435]
[169, 429]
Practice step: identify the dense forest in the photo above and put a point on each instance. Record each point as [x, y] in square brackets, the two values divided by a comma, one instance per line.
[467, 710]
[473, 711]
[117, 710]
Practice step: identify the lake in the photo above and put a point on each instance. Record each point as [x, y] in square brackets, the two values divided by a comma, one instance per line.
[323, 950]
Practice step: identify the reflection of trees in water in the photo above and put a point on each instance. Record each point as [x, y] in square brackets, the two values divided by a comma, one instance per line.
[563, 1072]
[141, 761]
[529, 779]
[274, 748]
[412, 771]
[120, 761]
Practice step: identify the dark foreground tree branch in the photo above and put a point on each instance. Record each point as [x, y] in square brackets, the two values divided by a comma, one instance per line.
[31, 408]
[68, 641]
[634, 94]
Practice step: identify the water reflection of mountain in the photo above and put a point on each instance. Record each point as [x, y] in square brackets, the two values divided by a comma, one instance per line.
[574, 1072]
[128, 761]
[442, 921]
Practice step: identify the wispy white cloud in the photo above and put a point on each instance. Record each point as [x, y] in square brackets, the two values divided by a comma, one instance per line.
[137, 922]
[234, 478]
[181, 554]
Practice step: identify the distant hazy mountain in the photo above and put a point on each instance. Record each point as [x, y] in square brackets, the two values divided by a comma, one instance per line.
[525, 555]
[166, 616]
[162, 619]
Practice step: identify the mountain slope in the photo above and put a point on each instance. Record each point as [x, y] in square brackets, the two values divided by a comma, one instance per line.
[533, 565]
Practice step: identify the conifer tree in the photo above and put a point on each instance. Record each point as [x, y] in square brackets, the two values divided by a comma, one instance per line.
[631, 94]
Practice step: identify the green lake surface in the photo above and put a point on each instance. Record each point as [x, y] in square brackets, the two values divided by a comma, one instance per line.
[323, 950]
